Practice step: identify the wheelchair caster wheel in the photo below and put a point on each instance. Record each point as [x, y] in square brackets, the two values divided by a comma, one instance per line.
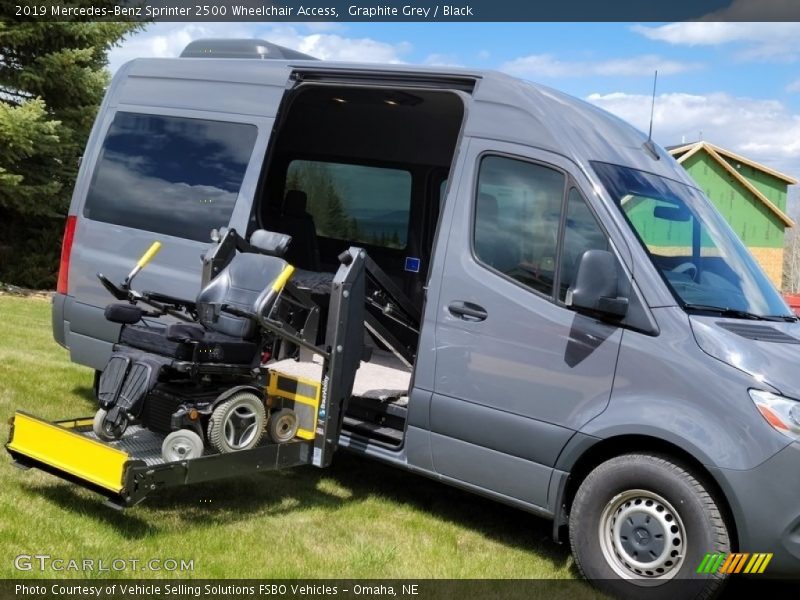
[182, 444]
[282, 426]
[237, 423]
[106, 431]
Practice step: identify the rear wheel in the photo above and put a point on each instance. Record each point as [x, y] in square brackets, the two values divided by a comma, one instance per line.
[643, 523]
[105, 430]
[237, 423]
[282, 426]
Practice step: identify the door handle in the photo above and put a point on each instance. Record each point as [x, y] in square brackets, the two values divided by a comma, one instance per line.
[467, 311]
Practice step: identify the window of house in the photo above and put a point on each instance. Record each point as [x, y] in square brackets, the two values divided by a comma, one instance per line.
[170, 175]
[517, 217]
[357, 203]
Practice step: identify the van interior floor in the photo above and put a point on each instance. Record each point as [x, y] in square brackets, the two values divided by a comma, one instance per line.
[379, 402]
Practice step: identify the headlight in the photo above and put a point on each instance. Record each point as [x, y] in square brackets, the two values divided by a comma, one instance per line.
[779, 411]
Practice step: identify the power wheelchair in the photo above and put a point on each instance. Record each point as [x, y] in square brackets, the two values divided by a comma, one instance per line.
[197, 377]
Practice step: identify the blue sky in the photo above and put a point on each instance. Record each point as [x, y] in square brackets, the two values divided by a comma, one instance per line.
[737, 83]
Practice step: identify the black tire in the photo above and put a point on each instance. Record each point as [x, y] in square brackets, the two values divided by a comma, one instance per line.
[609, 530]
[224, 418]
[104, 430]
[282, 426]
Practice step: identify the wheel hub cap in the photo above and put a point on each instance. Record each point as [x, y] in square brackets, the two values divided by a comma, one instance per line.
[642, 536]
[240, 427]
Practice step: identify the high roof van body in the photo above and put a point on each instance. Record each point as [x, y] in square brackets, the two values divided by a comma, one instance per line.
[595, 345]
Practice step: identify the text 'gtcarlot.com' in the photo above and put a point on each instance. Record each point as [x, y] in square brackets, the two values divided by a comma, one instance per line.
[46, 562]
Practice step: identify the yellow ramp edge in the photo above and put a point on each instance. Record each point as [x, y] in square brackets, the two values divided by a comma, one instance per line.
[68, 451]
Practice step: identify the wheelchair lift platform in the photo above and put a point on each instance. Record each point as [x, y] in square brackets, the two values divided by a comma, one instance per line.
[131, 468]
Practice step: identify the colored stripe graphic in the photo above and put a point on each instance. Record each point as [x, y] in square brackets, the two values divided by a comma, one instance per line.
[736, 562]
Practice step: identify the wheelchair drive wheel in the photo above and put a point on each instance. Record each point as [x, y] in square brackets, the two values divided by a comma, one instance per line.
[182, 444]
[237, 423]
[282, 425]
[107, 431]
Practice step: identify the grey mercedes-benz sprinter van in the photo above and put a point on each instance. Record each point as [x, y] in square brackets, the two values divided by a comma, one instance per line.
[594, 344]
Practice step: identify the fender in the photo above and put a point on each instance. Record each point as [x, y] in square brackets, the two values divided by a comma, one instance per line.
[258, 391]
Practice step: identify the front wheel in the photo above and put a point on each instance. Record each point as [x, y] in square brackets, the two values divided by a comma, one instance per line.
[105, 430]
[643, 523]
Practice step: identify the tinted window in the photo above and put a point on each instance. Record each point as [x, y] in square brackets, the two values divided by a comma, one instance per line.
[517, 215]
[581, 233]
[170, 175]
[354, 202]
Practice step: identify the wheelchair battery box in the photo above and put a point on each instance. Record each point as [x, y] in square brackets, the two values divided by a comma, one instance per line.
[300, 394]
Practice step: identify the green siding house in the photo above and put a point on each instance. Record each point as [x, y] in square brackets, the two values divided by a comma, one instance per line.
[749, 195]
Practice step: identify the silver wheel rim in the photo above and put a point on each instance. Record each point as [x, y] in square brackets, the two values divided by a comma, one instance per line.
[240, 427]
[642, 537]
[181, 447]
[284, 427]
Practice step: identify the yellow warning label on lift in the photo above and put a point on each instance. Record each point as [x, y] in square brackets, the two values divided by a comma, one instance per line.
[68, 451]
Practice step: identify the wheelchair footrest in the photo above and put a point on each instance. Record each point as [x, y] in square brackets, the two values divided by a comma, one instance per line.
[112, 379]
[141, 378]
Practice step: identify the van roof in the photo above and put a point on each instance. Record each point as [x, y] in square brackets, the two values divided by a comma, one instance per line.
[502, 107]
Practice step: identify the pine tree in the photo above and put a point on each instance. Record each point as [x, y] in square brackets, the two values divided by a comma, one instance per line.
[52, 79]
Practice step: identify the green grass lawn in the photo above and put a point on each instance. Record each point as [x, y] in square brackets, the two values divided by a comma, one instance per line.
[357, 519]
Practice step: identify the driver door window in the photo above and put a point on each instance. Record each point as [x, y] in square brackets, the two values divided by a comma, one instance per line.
[581, 233]
[517, 217]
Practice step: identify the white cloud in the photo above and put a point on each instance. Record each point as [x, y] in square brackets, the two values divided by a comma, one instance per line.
[326, 46]
[793, 86]
[441, 60]
[546, 65]
[764, 130]
[761, 41]
[168, 40]
[484, 55]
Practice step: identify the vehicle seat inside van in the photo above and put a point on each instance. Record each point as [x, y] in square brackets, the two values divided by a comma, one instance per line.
[299, 224]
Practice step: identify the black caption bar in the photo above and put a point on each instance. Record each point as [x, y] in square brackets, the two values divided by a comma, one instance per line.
[344, 589]
[411, 10]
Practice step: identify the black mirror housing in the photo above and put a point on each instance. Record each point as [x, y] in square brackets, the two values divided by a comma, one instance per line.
[596, 287]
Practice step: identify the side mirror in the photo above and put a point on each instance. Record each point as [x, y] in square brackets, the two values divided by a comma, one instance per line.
[596, 286]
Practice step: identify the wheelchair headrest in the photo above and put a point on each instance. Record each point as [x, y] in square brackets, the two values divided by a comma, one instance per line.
[270, 242]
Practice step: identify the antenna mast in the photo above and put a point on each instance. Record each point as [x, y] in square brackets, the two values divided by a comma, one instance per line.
[649, 146]
[652, 105]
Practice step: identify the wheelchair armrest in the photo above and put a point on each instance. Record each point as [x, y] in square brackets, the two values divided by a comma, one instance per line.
[167, 299]
[237, 312]
[184, 332]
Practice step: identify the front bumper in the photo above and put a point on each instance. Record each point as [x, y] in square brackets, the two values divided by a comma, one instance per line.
[765, 502]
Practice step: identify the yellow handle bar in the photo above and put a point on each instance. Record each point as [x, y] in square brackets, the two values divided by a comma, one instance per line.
[149, 255]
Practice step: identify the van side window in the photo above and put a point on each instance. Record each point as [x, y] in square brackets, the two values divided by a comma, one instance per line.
[517, 216]
[357, 203]
[169, 175]
[581, 233]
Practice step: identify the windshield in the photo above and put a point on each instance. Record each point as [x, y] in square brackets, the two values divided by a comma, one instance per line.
[700, 257]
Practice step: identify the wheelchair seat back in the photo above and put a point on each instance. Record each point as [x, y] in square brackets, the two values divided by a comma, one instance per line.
[244, 283]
